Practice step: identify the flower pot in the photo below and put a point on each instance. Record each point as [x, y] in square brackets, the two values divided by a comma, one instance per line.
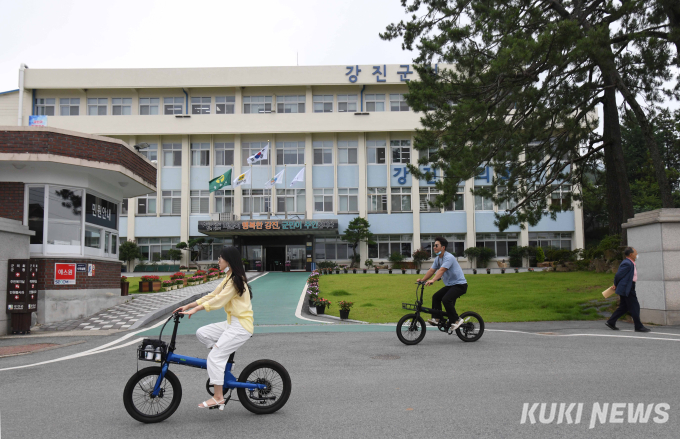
[474, 271]
[345, 270]
[376, 270]
[502, 270]
[403, 271]
[337, 271]
[365, 271]
[354, 270]
[344, 315]
[148, 287]
[124, 288]
[320, 309]
[516, 270]
[418, 271]
[390, 271]
[311, 302]
[488, 271]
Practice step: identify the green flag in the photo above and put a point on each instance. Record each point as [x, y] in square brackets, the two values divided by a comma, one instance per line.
[221, 181]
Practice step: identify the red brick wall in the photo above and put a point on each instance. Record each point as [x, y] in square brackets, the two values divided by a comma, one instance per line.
[46, 142]
[12, 200]
[106, 275]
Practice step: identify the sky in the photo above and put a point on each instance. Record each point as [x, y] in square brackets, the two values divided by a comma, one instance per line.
[199, 33]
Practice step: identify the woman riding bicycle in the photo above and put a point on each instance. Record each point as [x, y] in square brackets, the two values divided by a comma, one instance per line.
[224, 338]
[447, 268]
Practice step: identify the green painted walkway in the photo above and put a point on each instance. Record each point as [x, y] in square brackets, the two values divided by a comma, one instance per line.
[275, 300]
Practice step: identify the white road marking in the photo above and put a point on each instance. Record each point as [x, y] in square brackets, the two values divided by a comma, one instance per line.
[298, 311]
[583, 335]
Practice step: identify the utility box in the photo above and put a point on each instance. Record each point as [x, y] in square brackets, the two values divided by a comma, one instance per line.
[22, 293]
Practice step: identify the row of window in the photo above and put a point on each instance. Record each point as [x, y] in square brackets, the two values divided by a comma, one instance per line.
[222, 105]
[156, 249]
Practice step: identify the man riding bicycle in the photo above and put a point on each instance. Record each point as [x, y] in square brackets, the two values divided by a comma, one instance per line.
[447, 268]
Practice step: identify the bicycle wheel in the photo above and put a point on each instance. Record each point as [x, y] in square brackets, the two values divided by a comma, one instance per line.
[274, 396]
[137, 395]
[411, 329]
[472, 327]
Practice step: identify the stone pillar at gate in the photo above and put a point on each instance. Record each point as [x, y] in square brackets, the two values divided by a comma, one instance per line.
[656, 237]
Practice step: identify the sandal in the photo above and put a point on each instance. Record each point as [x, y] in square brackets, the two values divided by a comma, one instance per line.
[204, 404]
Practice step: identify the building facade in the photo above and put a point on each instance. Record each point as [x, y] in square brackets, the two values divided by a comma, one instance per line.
[348, 129]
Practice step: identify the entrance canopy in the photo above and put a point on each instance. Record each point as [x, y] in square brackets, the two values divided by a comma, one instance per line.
[326, 227]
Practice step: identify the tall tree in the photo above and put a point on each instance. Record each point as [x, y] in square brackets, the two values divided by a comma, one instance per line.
[357, 231]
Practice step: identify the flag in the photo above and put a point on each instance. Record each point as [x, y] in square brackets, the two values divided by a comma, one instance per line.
[278, 179]
[299, 177]
[261, 155]
[242, 179]
[221, 181]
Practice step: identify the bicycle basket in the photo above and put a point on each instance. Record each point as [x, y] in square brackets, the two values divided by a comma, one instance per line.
[409, 306]
[152, 349]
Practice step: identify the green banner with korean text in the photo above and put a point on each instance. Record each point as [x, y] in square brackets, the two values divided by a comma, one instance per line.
[221, 181]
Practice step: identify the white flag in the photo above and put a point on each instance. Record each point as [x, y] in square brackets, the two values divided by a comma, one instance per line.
[242, 179]
[278, 179]
[261, 155]
[299, 177]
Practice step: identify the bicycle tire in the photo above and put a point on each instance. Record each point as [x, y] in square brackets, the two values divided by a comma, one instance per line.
[414, 330]
[266, 372]
[136, 395]
[464, 331]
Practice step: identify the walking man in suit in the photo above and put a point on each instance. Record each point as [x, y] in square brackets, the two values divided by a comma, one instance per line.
[624, 284]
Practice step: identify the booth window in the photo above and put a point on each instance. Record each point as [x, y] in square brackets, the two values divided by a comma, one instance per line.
[36, 213]
[64, 222]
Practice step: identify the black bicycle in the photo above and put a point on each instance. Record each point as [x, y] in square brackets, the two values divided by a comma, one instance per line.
[411, 328]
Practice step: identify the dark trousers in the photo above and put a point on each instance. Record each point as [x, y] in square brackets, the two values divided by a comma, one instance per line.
[447, 296]
[629, 304]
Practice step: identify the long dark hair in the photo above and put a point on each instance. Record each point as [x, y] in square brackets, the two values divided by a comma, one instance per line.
[238, 274]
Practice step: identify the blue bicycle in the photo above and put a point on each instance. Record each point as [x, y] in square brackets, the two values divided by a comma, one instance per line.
[154, 393]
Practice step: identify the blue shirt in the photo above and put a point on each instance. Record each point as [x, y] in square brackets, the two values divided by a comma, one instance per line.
[453, 274]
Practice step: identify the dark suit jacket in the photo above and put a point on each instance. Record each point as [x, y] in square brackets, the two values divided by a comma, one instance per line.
[624, 277]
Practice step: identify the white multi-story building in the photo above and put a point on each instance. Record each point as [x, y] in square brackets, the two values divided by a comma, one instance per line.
[348, 127]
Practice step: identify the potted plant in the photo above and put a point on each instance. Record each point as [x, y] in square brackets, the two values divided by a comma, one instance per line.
[167, 285]
[337, 269]
[179, 283]
[258, 265]
[516, 270]
[354, 270]
[376, 270]
[474, 271]
[488, 271]
[149, 284]
[344, 309]
[344, 268]
[368, 263]
[313, 288]
[124, 286]
[321, 304]
[183, 268]
[420, 256]
[396, 259]
[181, 277]
[287, 265]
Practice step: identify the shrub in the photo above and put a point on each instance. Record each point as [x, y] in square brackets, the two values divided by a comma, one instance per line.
[515, 254]
[368, 263]
[179, 275]
[540, 255]
[420, 256]
[151, 279]
[396, 259]
[326, 264]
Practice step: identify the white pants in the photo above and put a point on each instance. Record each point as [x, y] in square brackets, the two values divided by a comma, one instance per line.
[224, 339]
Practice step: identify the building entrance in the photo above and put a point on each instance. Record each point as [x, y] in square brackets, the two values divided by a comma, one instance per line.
[275, 258]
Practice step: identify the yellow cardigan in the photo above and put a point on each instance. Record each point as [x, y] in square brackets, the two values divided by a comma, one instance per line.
[226, 295]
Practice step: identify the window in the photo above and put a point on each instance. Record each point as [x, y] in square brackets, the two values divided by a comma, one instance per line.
[459, 203]
[323, 103]
[257, 104]
[45, 107]
[375, 102]
[348, 200]
[290, 104]
[92, 237]
[290, 153]
[385, 245]
[146, 205]
[224, 154]
[156, 249]
[172, 154]
[347, 152]
[200, 154]
[149, 106]
[260, 199]
[36, 213]
[150, 152]
[548, 240]
[401, 199]
[210, 252]
[507, 204]
[401, 151]
[64, 222]
[332, 249]
[69, 107]
[200, 201]
[225, 104]
[561, 196]
[323, 153]
[347, 103]
[323, 200]
[121, 106]
[200, 105]
[250, 149]
[427, 196]
[290, 201]
[456, 244]
[483, 203]
[97, 106]
[224, 201]
[124, 207]
[114, 244]
[398, 103]
[172, 202]
[428, 153]
[377, 199]
[172, 105]
[375, 150]
[501, 243]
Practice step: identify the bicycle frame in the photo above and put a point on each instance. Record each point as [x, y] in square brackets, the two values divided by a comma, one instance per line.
[230, 381]
[419, 308]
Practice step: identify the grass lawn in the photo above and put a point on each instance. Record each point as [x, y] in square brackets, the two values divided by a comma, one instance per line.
[516, 297]
[134, 284]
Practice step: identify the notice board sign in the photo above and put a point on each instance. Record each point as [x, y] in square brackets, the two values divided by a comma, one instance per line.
[64, 274]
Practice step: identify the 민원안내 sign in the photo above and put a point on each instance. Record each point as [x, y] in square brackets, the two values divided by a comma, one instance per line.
[101, 212]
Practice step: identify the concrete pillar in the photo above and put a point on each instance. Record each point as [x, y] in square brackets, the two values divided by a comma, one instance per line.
[309, 163]
[186, 182]
[361, 162]
[415, 199]
[236, 172]
[470, 235]
[656, 237]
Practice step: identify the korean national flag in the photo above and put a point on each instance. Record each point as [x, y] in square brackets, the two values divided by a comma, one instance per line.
[261, 155]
